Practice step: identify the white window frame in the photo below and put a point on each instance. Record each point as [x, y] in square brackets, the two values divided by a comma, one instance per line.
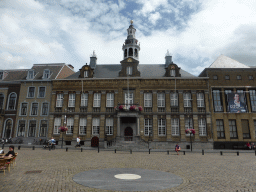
[175, 123]
[253, 99]
[202, 127]
[110, 100]
[82, 126]
[189, 124]
[147, 99]
[31, 74]
[70, 125]
[84, 100]
[71, 100]
[217, 102]
[57, 124]
[129, 70]
[109, 126]
[187, 99]
[59, 100]
[34, 93]
[40, 128]
[148, 125]
[96, 99]
[172, 73]
[200, 99]
[128, 100]
[43, 107]
[95, 126]
[18, 130]
[14, 101]
[46, 74]
[174, 99]
[86, 73]
[39, 92]
[29, 128]
[21, 109]
[161, 127]
[31, 110]
[161, 99]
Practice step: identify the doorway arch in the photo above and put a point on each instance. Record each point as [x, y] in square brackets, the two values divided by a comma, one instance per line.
[128, 134]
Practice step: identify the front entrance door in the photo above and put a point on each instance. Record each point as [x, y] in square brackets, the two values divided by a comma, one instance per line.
[128, 134]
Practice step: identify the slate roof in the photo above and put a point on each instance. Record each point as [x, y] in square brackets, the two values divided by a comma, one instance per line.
[54, 70]
[146, 71]
[15, 75]
[225, 62]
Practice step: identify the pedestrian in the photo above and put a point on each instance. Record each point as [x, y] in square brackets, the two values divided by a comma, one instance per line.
[177, 148]
[78, 141]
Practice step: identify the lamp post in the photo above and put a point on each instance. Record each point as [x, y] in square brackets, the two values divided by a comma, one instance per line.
[149, 138]
[62, 132]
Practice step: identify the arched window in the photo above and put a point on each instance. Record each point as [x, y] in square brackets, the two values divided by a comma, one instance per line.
[136, 53]
[125, 53]
[130, 52]
[7, 128]
[12, 101]
[1, 101]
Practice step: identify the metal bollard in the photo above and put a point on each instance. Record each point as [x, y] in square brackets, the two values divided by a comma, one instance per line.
[202, 152]
[237, 153]
[115, 150]
[130, 151]
[19, 147]
[49, 148]
[167, 152]
[66, 149]
[33, 147]
[81, 149]
[220, 152]
[184, 153]
[148, 151]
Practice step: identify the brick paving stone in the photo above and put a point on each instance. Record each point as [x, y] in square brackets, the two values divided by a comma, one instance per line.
[209, 172]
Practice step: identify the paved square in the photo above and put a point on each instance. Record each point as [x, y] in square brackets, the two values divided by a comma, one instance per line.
[209, 172]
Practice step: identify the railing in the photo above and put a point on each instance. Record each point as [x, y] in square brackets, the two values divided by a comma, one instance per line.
[201, 109]
[174, 109]
[71, 109]
[187, 109]
[58, 109]
[83, 109]
[128, 107]
[110, 109]
[161, 109]
[96, 109]
[148, 109]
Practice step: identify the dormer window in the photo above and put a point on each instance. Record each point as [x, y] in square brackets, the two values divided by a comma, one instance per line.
[86, 73]
[30, 74]
[172, 73]
[46, 74]
[129, 70]
[1, 75]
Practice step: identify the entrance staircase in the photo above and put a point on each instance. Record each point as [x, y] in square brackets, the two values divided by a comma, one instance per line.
[129, 143]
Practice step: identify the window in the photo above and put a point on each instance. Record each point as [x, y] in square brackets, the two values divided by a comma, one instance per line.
[215, 77]
[129, 71]
[32, 128]
[245, 128]
[82, 126]
[34, 108]
[147, 127]
[24, 109]
[227, 77]
[217, 101]
[160, 99]
[31, 92]
[250, 77]
[189, 123]
[86, 73]
[57, 123]
[71, 100]
[30, 74]
[187, 99]
[96, 101]
[21, 128]
[147, 99]
[1, 75]
[12, 101]
[174, 99]
[110, 100]
[200, 99]
[95, 126]
[45, 109]
[238, 77]
[70, 125]
[84, 99]
[43, 128]
[46, 73]
[232, 129]
[128, 100]
[175, 127]
[41, 92]
[1, 101]
[161, 127]
[202, 127]
[253, 99]
[59, 100]
[109, 126]
[172, 73]
[220, 129]
[254, 121]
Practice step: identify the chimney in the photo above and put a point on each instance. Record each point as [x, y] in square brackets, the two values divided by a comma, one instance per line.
[93, 60]
[168, 59]
[71, 66]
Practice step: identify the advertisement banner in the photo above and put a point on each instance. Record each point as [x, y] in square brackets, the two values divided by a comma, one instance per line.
[236, 102]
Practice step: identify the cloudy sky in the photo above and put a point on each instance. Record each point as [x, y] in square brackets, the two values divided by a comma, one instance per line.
[195, 32]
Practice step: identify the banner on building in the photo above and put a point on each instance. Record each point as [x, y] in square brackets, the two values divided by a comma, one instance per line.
[236, 102]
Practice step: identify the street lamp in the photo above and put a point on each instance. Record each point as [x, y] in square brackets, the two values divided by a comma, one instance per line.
[150, 137]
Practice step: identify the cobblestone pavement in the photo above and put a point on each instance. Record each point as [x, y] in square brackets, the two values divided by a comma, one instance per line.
[209, 172]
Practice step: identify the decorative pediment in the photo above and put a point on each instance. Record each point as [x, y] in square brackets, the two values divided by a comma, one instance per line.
[86, 72]
[172, 71]
[129, 68]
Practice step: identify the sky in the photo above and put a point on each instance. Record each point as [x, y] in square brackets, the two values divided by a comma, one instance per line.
[196, 32]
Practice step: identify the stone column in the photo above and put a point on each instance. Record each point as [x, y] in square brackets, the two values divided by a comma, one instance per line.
[154, 101]
[181, 104]
[103, 101]
[118, 126]
[182, 128]
[155, 128]
[138, 126]
[196, 127]
[168, 102]
[77, 104]
[76, 126]
[89, 127]
[102, 127]
[194, 100]
[90, 101]
[168, 128]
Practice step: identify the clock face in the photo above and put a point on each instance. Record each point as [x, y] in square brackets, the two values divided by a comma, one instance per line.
[129, 60]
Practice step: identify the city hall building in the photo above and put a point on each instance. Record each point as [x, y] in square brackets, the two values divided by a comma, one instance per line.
[131, 103]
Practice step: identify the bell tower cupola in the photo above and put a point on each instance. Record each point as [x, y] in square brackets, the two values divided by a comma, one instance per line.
[130, 46]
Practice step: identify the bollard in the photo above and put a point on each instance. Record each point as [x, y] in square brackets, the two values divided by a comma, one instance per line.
[81, 149]
[19, 147]
[98, 148]
[33, 147]
[220, 152]
[167, 152]
[184, 153]
[3, 146]
[148, 151]
[255, 153]
[130, 151]
[66, 149]
[237, 153]
[202, 152]
[49, 148]
[115, 150]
